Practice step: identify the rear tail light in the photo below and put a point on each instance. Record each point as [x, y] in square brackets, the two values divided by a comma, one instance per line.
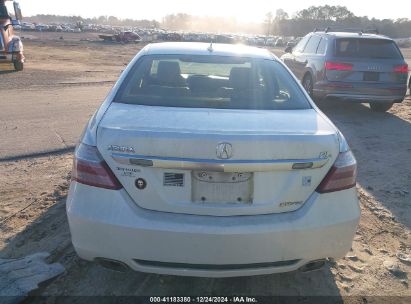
[89, 168]
[342, 175]
[401, 68]
[338, 66]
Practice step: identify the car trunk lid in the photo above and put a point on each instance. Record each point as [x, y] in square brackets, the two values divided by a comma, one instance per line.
[217, 162]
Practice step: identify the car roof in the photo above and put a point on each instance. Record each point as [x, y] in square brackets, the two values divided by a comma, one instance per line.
[354, 35]
[201, 48]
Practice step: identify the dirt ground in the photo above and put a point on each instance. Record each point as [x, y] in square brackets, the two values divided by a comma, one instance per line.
[43, 115]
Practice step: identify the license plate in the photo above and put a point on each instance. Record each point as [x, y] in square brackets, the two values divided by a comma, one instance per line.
[222, 187]
[371, 76]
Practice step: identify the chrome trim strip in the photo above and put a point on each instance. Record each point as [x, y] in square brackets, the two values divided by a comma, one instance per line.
[219, 165]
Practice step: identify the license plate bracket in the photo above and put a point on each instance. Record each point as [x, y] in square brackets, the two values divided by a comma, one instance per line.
[222, 187]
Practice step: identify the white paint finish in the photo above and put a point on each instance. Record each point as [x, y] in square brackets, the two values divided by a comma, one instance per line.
[195, 134]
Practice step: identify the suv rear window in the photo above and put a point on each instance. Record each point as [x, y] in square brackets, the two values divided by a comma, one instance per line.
[200, 81]
[367, 48]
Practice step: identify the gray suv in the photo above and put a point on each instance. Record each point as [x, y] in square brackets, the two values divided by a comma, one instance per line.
[350, 66]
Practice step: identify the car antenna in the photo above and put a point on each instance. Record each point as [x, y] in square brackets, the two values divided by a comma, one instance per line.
[210, 48]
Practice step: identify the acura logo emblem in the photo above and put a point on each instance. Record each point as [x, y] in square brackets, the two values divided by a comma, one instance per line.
[224, 151]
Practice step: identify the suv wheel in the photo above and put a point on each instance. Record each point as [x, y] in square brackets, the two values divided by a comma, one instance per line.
[18, 65]
[381, 107]
[308, 84]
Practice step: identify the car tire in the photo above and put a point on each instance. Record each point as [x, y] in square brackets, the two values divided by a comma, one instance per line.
[18, 65]
[308, 84]
[381, 107]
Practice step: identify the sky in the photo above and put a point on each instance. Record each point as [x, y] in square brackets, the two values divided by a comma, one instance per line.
[249, 11]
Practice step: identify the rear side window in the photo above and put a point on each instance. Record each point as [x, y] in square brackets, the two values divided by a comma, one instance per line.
[211, 82]
[6, 11]
[312, 45]
[301, 45]
[3, 11]
[367, 48]
[322, 46]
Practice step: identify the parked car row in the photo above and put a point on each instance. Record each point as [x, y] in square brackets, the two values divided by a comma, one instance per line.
[26, 26]
[163, 35]
[403, 42]
[254, 40]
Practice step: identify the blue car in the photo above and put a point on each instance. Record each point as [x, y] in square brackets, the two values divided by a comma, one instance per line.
[349, 65]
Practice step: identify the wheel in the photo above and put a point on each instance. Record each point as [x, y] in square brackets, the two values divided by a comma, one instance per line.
[381, 107]
[18, 65]
[308, 84]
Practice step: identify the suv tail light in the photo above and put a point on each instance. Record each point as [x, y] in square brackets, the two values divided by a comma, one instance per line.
[401, 68]
[89, 168]
[338, 66]
[342, 175]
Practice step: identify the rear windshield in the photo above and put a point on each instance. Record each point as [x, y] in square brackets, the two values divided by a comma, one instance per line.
[367, 48]
[211, 82]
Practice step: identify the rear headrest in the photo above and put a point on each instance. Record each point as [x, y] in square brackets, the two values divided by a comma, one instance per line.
[199, 83]
[241, 78]
[169, 73]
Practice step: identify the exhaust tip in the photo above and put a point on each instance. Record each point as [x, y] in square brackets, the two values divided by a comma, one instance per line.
[112, 264]
[313, 265]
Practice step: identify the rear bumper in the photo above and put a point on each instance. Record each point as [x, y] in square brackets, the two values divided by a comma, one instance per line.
[366, 98]
[108, 224]
[361, 92]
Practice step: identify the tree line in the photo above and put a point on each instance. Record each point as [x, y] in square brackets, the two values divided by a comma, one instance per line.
[102, 20]
[320, 17]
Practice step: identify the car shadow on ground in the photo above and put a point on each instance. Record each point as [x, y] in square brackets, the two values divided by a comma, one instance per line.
[381, 143]
[7, 72]
[53, 152]
[50, 233]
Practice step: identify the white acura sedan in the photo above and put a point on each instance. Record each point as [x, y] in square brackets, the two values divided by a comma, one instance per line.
[211, 160]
